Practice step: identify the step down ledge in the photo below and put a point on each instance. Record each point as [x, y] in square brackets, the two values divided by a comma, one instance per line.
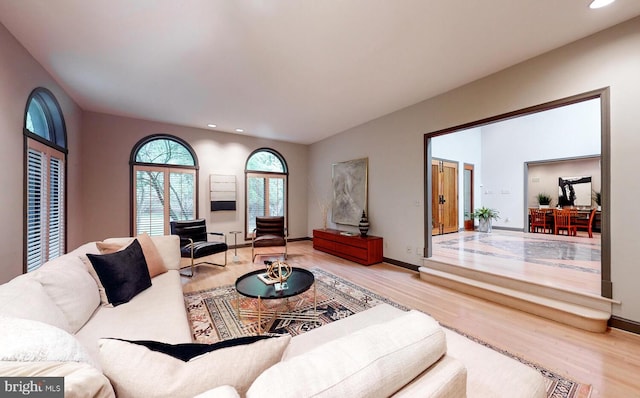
[567, 313]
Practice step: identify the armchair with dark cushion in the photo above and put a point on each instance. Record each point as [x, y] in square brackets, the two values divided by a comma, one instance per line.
[194, 242]
[269, 232]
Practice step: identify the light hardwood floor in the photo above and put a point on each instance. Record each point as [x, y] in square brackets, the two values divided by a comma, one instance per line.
[609, 361]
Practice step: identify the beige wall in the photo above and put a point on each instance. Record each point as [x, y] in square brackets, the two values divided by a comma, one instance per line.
[108, 141]
[19, 75]
[543, 178]
[393, 144]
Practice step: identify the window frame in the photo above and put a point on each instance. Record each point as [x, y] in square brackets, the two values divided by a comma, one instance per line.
[267, 175]
[135, 166]
[53, 147]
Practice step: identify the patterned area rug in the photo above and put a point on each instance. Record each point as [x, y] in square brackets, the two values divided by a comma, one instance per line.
[213, 317]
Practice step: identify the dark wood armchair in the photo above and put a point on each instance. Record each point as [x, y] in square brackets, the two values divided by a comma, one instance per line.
[269, 232]
[194, 242]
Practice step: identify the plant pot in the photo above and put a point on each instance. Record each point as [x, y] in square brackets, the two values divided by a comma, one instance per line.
[468, 225]
[484, 225]
[543, 206]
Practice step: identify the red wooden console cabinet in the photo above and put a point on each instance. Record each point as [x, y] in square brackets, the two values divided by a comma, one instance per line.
[366, 251]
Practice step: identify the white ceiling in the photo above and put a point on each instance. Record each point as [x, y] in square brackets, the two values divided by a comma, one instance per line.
[292, 70]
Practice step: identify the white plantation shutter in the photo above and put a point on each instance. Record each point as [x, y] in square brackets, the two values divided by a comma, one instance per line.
[45, 204]
[182, 194]
[36, 211]
[56, 207]
[153, 185]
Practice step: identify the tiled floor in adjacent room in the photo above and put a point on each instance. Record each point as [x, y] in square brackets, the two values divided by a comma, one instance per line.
[565, 262]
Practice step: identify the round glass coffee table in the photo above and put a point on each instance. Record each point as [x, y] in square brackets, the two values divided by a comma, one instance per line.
[250, 285]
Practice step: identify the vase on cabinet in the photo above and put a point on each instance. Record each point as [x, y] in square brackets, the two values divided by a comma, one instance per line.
[364, 224]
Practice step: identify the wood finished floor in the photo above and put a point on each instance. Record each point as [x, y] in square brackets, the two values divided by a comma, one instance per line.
[566, 262]
[609, 361]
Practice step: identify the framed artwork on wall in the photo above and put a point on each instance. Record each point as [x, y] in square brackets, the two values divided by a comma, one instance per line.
[349, 180]
[574, 191]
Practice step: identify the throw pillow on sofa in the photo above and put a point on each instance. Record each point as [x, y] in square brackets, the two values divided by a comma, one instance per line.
[187, 351]
[374, 361]
[151, 254]
[14, 293]
[123, 274]
[136, 371]
[72, 289]
[25, 340]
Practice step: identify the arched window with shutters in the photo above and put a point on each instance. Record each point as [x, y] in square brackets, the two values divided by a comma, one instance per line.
[45, 167]
[164, 175]
[266, 186]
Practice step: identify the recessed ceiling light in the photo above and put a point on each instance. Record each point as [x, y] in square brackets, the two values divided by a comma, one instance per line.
[600, 3]
[239, 130]
[211, 125]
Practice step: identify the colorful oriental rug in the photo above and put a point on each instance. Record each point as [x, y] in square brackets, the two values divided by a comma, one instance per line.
[213, 315]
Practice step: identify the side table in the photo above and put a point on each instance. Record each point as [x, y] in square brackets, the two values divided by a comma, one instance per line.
[236, 259]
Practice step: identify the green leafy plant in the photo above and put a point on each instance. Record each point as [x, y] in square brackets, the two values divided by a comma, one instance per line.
[544, 199]
[485, 213]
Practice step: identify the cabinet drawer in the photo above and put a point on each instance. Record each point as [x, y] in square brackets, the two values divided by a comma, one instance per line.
[351, 251]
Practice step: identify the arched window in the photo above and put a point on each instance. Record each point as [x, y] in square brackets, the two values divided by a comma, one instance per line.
[164, 175]
[45, 167]
[266, 186]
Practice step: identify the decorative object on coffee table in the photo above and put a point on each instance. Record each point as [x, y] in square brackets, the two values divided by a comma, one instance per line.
[277, 274]
[364, 224]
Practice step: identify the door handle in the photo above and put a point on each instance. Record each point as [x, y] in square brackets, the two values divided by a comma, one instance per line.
[442, 200]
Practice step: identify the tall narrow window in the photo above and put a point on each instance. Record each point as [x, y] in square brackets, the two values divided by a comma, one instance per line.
[266, 182]
[45, 166]
[164, 184]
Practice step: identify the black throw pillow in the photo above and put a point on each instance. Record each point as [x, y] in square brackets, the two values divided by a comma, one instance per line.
[123, 274]
[186, 352]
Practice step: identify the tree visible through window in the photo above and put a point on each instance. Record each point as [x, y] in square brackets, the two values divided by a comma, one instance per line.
[266, 175]
[45, 156]
[163, 167]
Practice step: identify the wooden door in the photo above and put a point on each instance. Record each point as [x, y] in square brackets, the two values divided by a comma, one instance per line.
[444, 196]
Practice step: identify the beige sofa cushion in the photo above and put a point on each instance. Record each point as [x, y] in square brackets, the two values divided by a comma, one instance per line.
[157, 313]
[375, 361]
[220, 392]
[447, 378]
[13, 302]
[71, 288]
[135, 371]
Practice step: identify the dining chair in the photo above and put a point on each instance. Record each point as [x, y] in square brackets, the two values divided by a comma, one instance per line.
[562, 220]
[539, 220]
[586, 223]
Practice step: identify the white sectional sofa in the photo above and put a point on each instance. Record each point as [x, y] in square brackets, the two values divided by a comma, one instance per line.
[52, 323]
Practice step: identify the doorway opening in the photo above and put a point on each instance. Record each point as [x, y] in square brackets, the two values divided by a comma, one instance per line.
[501, 180]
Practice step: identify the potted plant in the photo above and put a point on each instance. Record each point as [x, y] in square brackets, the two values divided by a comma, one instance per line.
[544, 200]
[598, 199]
[484, 216]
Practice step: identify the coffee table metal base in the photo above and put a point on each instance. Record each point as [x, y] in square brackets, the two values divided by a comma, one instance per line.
[287, 315]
